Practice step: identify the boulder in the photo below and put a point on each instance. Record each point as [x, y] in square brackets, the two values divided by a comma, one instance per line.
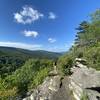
[80, 61]
[54, 72]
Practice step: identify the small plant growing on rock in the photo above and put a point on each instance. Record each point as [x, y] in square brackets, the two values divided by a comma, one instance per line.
[84, 97]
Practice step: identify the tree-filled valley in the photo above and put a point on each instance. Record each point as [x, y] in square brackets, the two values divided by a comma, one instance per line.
[19, 67]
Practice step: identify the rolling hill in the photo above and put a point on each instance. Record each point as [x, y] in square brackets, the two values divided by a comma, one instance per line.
[22, 53]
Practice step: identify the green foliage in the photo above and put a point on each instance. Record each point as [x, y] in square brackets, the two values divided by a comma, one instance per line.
[8, 94]
[84, 97]
[26, 77]
[87, 44]
[92, 55]
[33, 72]
[64, 64]
[96, 16]
[9, 64]
[39, 76]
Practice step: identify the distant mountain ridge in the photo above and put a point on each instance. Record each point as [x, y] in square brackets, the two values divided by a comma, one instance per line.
[18, 52]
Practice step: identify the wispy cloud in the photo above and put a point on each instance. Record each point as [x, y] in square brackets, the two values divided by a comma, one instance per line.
[21, 45]
[52, 15]
[30, 33]
[27, 15]
[52, 40]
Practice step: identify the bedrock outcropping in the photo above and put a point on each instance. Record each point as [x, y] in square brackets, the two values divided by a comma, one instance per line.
[85, 81]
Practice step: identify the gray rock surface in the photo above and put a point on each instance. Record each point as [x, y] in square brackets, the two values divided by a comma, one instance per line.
[63, 93]
[85, 80]
[53, 88]
[46, 89]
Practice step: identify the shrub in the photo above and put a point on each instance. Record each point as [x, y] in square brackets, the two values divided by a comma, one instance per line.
[64, 64]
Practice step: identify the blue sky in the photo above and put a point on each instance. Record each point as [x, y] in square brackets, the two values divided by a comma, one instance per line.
[42, 24]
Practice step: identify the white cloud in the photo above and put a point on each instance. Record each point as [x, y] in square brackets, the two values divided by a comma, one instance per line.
[52, 40]
[30, 33]
[52, 15]
[27, 15]
[21, 45]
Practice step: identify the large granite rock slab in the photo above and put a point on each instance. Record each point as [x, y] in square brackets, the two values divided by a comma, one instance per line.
[86, 80]
[46, 89]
